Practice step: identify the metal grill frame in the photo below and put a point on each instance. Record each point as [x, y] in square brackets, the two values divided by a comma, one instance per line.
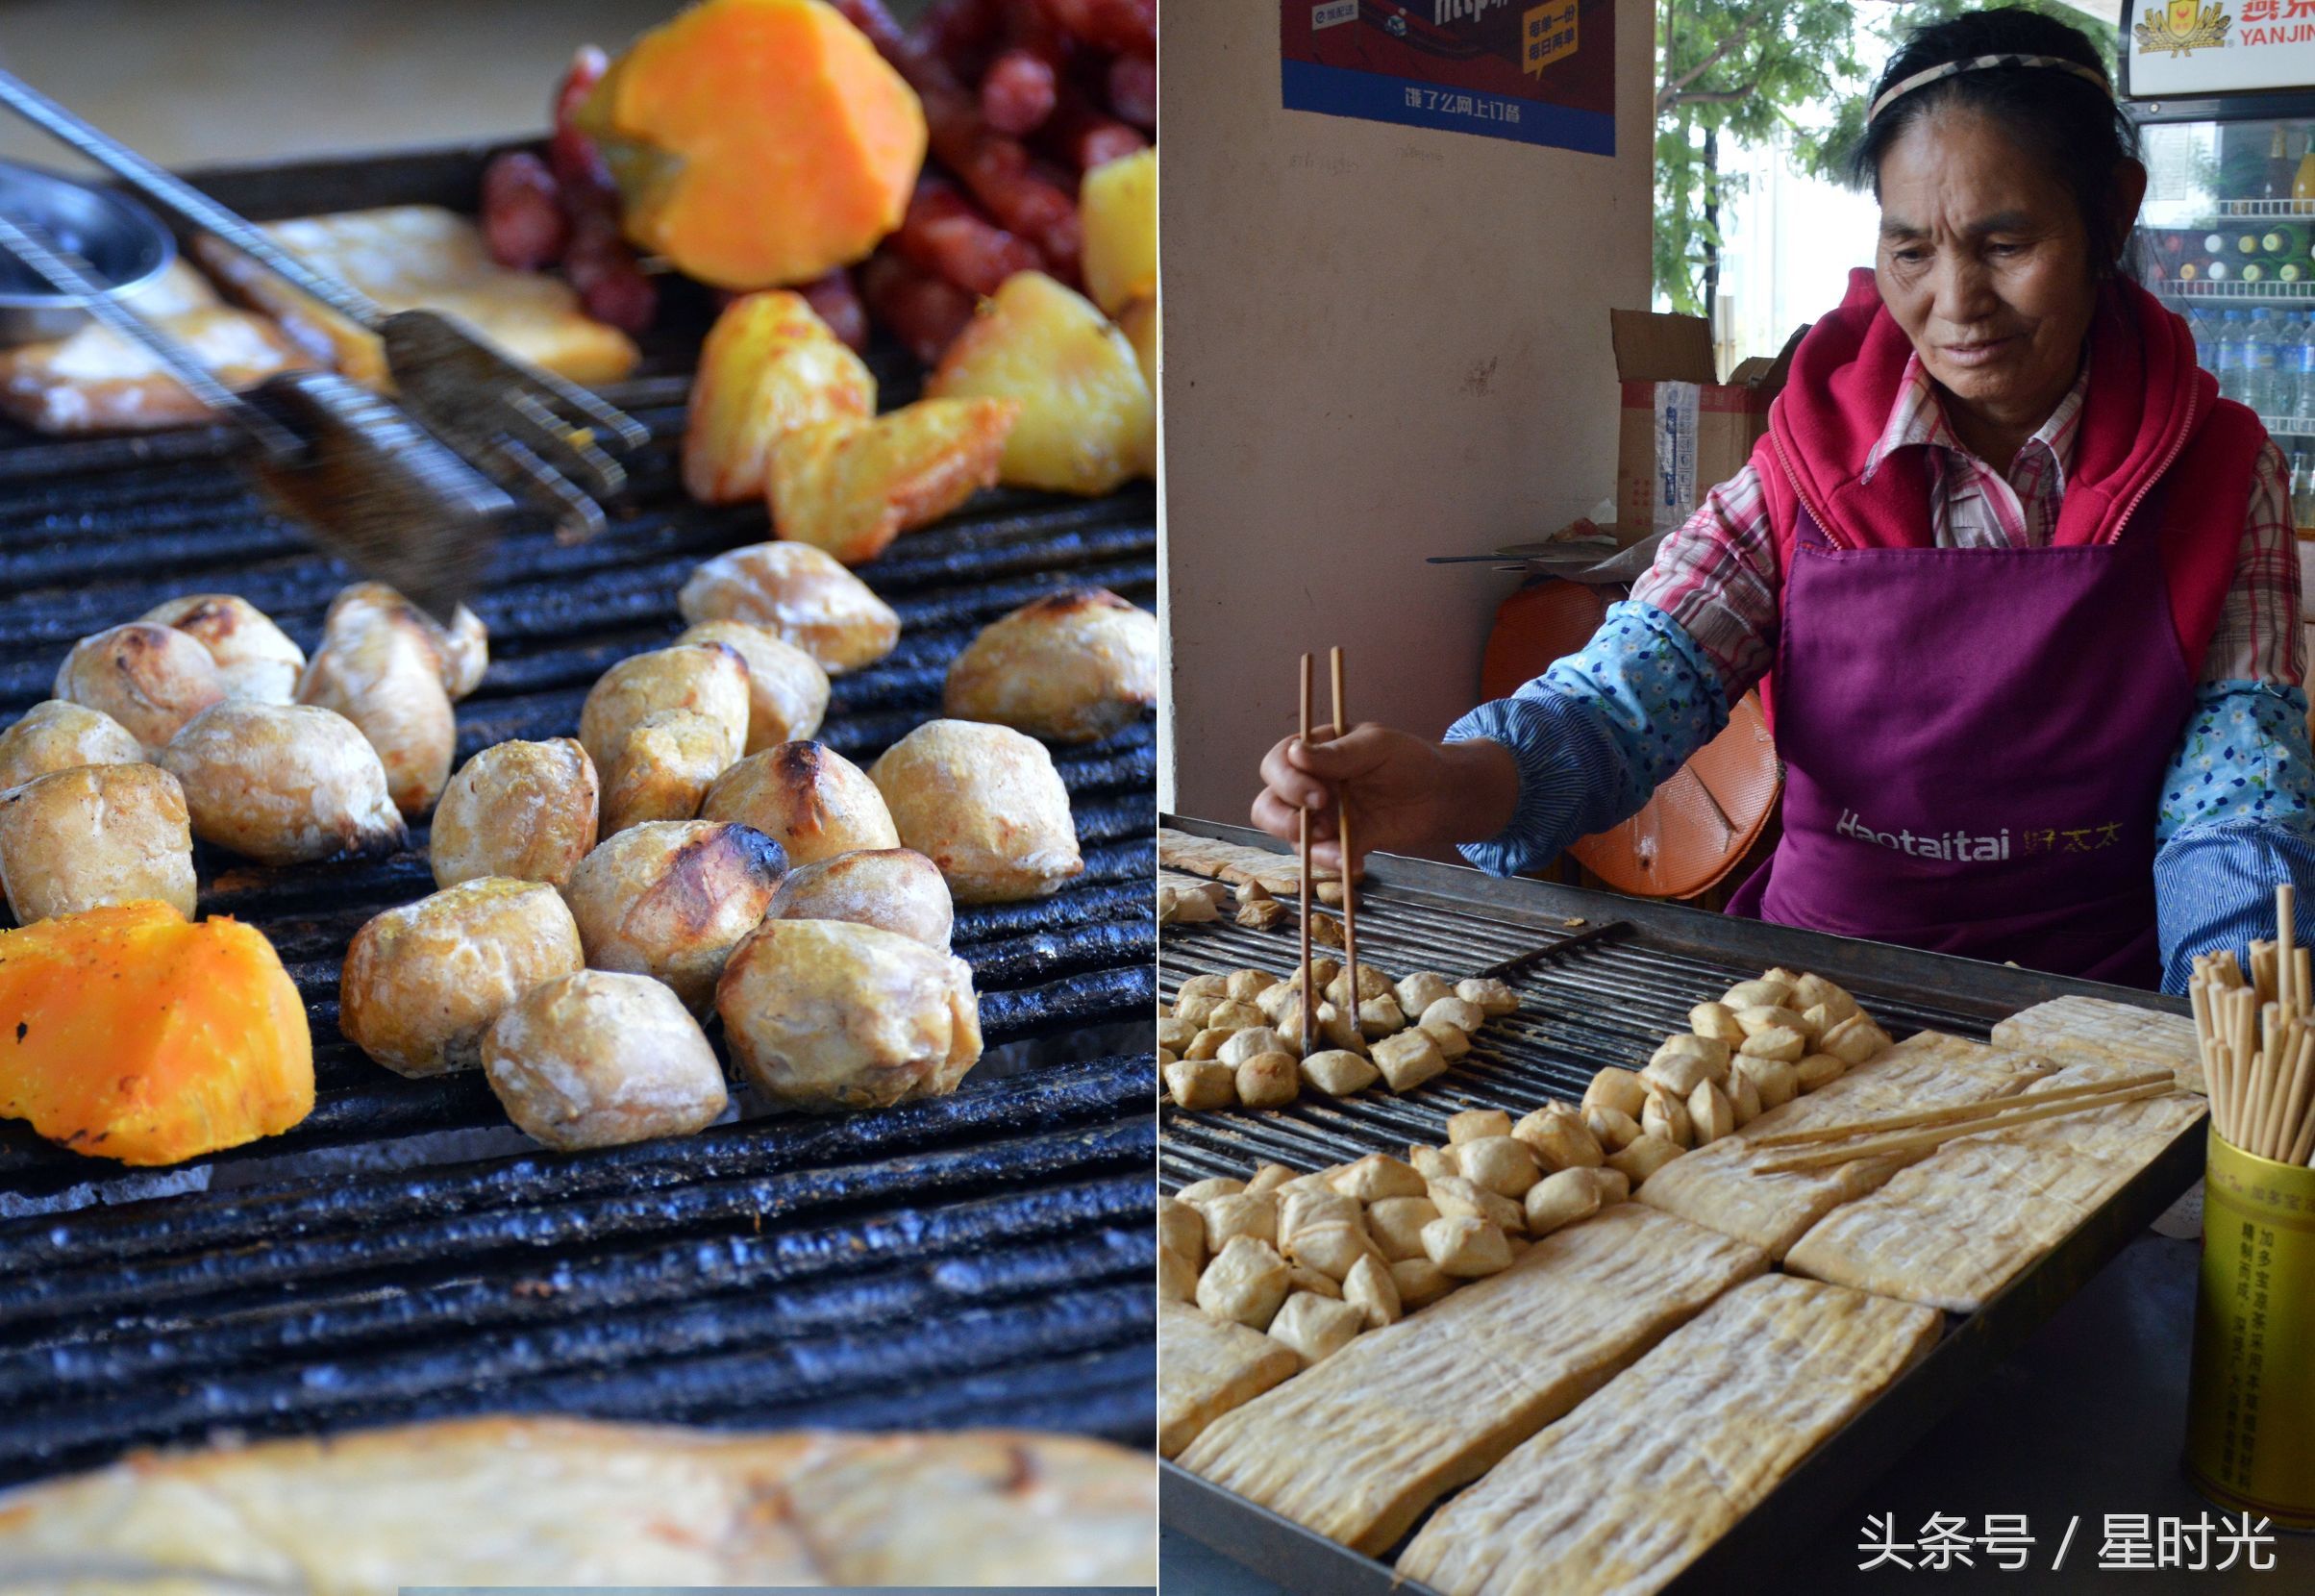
[981, 1259]
[1906, 985]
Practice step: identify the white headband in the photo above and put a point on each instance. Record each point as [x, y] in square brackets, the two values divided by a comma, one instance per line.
[1978, 63]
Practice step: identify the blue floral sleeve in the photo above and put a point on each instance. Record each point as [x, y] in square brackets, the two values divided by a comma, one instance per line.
[1597, 733]
[2237, 819]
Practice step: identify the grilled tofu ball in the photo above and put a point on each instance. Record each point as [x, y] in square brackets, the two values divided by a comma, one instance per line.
[800, 595]
[708, 679]
[151, 679]
[813, 800]
[892, 889]
[597, 1059]
[825, 1014]
[1072, 667]
[254, 658]
[93, 836]
[788, 690]
[672, 899]
[377, 668]
[284, 783]
[665, 767]
[985, 804]
[525, 810]
[461, 649]
[56, 736]
[423, 982]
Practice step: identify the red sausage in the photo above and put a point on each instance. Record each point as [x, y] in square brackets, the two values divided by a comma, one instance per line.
[523, 223]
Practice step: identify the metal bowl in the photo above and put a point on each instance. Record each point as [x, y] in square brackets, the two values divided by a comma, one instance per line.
[121, 240]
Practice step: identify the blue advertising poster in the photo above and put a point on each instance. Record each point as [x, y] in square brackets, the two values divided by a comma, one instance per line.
[1540, 73]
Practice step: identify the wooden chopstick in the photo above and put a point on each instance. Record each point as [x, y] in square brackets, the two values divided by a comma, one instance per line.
[1882, 1147]
[2286, 955]
[1960, 1113]
[1310, 998]
[1342, 835]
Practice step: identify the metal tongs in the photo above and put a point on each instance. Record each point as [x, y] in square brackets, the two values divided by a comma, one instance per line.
[477, 407]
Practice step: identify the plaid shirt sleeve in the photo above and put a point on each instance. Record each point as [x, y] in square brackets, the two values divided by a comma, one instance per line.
[2258, 637]
[1717, 576]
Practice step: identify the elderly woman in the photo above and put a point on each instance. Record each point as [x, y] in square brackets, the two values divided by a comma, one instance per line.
[2018, 585]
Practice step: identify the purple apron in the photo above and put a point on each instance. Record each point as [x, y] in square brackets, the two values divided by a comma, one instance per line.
[1974, 742]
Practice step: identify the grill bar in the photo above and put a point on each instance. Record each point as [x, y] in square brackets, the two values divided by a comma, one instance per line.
[752, 1267]
[1599, 996]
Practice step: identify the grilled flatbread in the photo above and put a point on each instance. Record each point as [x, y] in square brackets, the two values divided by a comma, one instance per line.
[1621, 1496]
[1714, 1186]
[411, 256]
[1206, 1368]
[2090, 1031]
[93, 382]
[1356, 1447]
[506, 1500]
[1953, 1229]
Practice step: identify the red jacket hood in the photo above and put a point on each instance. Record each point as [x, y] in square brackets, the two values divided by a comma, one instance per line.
[2145, 399]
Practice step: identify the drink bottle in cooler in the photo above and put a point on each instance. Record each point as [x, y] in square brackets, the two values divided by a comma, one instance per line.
[2230, 345]
[2263, 353]
[2302, 406]
[2287, 345]
[2288, 340]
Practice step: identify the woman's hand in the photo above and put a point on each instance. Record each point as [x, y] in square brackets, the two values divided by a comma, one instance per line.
[1406, 794]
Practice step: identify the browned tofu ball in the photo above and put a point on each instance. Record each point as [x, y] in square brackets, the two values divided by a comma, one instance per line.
[284, 783]
[708, 679]
[1072, 667]
[665, 767]
[525, 810]
[799, 594]
[672, 898]
[377, 668]
[818, 803]
[893, 888]
[788, 690]
[56, 736]
[985, 805]
[254, 658]
[825, 1014]
[151, 679]
[596, 1059]
[93, 836]
[423, 982]
[461, 649]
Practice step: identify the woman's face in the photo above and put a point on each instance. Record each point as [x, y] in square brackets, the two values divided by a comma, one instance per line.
[1984, 263]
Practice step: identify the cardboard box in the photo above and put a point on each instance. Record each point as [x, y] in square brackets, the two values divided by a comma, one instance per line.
[1682, 433]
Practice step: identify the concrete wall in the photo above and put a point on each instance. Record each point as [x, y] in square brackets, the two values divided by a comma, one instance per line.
[1381, 343]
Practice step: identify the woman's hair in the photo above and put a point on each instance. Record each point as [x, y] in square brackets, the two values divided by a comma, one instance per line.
[2070, 127]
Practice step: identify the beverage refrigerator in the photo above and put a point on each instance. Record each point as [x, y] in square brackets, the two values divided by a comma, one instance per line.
[2224, 95]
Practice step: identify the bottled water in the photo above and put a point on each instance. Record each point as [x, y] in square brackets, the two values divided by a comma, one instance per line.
[2303, 406]
[2262, 353]
[2206, 338]
[2231, 368]
[2282, 388]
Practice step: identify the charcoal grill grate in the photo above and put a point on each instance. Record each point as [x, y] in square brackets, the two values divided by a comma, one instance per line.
[403, 1254]
[1608, 1001]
